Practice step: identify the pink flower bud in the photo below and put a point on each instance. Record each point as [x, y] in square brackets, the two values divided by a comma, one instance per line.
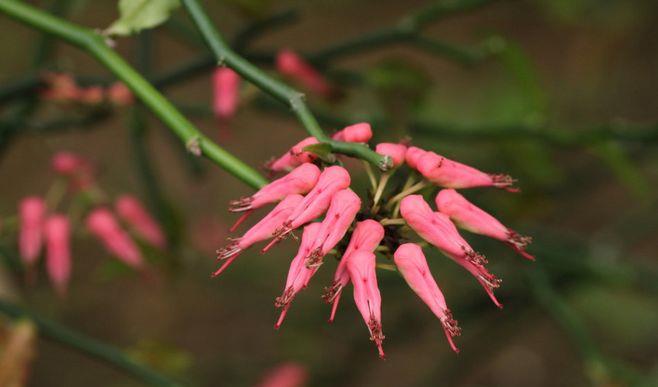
[58, 259]
[469, 217]
[299, 181]
[315, 203]
[292, 65]
[31, 212]
[451, 174]
[92, 95]
[226, 92]
[131, 211]
[119, 94]
[78, 169]
[285, 375]
[341, 213]
[413, 155]
[411, 263]
[261, 231]
[294, 157]
[367, 235]
[298, 274]
[437, 229]
[102, 224]
[361, 267]
[361, 132]
[61, 88]
[396, 152]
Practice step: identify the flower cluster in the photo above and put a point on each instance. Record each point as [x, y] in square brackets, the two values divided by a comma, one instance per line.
[42, 222]
[62, 88]
[315, 198]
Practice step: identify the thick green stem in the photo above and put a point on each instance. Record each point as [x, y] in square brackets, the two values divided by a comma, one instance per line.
[95, 44]
[280, 91]
[87, 345]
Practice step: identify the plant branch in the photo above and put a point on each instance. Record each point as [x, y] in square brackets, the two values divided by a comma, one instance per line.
[87, 345]
[280, 91]
[95, 45]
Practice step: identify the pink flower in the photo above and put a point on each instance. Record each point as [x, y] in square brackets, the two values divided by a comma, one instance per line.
[294, 157]
[61, 88]
[131, 211]
[413, 155]
[361, 268]
[259, 232]
[119, 94]
[31, 211]
[366, 237]
[411, 263]
[437, 229]
[92, 95]
[469, 217]
[285, 375]
[294, 66]
[396, 152]
[298, 274]
[451, 174]
[104, 226]
[58, 259]
[343, 208]
[226, 89]
[299, 181]
[361, 132]
[315, 203]
[74, 167]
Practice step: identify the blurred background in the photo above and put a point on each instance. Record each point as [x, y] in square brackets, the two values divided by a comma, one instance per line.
[561, 94]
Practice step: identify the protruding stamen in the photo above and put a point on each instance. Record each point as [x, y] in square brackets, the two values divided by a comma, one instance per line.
[505, 182]
[475, 257]
[228, 251]
[285, 298]
[225, 265]
[451, 329]
[519, 243]
[330, 292]
[279, 234]
[491, 281]
[377, 335]
[240, 205]
[314, 259]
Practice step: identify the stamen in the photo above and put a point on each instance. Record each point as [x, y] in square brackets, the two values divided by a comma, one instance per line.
[475, 257]
[315, 259]
[279, 234]
[491, 281]
[330, 292]
[450, 325]
[229, 250]
[285, 298]
[504, 182]
[240, 205]
[376, 335]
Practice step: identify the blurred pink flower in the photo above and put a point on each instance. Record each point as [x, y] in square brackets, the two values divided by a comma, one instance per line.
[294, 66]
[366, 237]
[102, 223]
[131, 211]
[119, 94]
[285, 375]
[226, 92]
[31, 212]
[58, 252]
[361, 267]
[396, 152]
[74, 167]
[60, 88]
[92, 95]
[472, 218]
[411, 263]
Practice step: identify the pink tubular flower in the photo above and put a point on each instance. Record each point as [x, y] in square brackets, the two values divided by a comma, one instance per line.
[361, 132]
[131, 211]
[92, 95]
[299, 181]
[294, 66]
[452, 174]
[315, 203]
[119, 94]
[285, 375]
[74, 167]
[396, 152]
[361, 268]
[343, 208]
[366, 237]
[31, 211]
[294, 157]
[226, 89]
[259, 232]
[102, 223]
[437, 229]
[58, 259]
[61, 88]
[413, 155]
[411, 263]
[298, 274]
[469, 217]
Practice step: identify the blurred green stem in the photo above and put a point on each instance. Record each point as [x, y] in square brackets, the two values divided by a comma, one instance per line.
[87, 345]
[290, 97]
[95, 45]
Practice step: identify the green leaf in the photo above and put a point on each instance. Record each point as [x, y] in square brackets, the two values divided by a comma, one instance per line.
[322, 150]
[136, 15]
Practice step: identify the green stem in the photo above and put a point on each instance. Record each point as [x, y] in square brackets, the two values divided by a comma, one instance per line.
[89, 346]
[280, 91]
[94, 44]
